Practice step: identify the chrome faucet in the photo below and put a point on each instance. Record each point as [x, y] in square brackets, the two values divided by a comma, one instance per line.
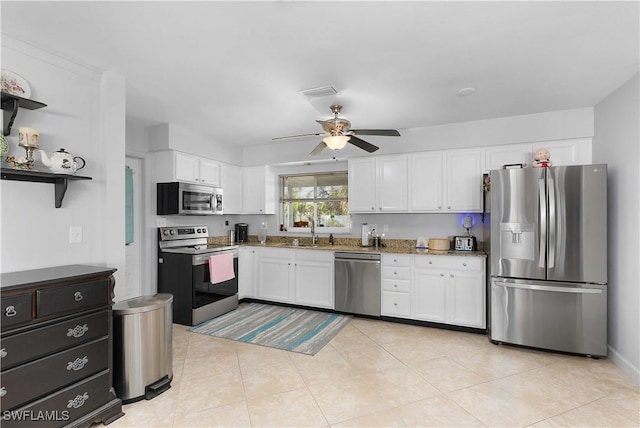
[314, 238]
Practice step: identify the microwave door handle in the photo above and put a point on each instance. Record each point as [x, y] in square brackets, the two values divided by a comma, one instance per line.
[552, 222]
[543, 222]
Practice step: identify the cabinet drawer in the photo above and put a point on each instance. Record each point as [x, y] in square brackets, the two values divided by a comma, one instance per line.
[38, 378]
[37, 343]
[396, 272]
[76, 297]
[450, 262]
[396, 304]
[402, 260]
[402, 285]
[66, 405]
[16, 310]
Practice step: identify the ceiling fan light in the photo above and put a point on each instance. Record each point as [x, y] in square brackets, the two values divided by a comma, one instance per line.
[336, 142]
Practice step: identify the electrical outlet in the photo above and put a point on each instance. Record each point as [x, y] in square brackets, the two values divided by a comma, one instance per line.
[75, 234]
[385, 228]
[161, 222]
[373, 228]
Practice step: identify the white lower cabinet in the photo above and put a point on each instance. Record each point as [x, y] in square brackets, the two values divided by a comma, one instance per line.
[314, 278]
[303, 277]
[247, 267]
[450, 290]
[396, 285]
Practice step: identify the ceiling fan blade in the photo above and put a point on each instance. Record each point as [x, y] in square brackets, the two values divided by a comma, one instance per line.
[320, 147]
[362, 144]
[301, 135]
[386, 132]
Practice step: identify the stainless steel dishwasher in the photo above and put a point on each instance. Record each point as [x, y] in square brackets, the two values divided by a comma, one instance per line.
[358, 282]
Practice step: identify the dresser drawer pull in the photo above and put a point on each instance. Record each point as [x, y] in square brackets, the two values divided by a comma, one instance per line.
[78, 331]
[78, 364]
[78, 401]
[11, 311]
[464, 264]
[77, 296]
[3, 352]
[3, 391]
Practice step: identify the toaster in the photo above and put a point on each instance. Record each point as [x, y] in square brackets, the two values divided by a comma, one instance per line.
[465, 243]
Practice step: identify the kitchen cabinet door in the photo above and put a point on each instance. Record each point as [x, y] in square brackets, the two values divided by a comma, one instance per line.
[362, 181]
[231, 182]
[209, 172]
[464, 180]
[497, 156]
[314, 278]
[426, 179]
[430, 295]
[466, 299]
[391, 183]
[258, 190]
[275, 275]
[186, 168]
[567, 152]
[247, 267]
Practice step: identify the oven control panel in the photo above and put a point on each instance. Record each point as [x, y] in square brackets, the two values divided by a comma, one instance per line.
[172, 233]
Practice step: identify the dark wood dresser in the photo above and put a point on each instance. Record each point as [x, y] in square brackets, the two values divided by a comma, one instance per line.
[56, 347]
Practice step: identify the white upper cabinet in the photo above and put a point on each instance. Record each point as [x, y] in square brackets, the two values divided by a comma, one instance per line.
[378, 184]
[449, 181]
[231, 183]
[575, 151]
[258, 190]
[463, 180]
[426, 172]
[497, 156]
[176, 166]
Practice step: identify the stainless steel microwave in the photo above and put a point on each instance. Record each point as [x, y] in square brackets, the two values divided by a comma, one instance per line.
[188, 199]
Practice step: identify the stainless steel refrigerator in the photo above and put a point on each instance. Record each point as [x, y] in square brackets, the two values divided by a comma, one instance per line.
[548, 258]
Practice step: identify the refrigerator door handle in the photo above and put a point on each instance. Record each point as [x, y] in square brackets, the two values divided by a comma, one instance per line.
[552, 222]
[550, 288]
[543, 223]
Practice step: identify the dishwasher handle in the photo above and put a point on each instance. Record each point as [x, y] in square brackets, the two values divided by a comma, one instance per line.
[360, 257]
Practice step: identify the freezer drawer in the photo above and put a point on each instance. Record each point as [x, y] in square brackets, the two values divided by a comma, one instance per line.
[550, 315]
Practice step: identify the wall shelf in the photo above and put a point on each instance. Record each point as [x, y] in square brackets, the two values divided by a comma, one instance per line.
[10, 104]
[59, 180]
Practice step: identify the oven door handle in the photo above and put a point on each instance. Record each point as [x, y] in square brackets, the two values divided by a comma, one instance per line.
[200, 259]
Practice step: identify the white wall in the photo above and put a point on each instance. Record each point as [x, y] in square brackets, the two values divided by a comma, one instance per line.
[35, 234]
[556, 125]
[616, 143]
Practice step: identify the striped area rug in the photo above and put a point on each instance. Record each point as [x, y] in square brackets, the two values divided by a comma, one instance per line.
[292, 329]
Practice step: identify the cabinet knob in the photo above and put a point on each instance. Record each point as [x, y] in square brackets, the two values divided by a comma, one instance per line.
[439, 207]
[77, 296]
[441, 274]
[395, 260]
[451, 275]
[395, 304]
[430, 262]
[449, 207]
[10, 311]
[3, 352]
[373, 209]
[464, 264]
[395, 273]
[395, 285]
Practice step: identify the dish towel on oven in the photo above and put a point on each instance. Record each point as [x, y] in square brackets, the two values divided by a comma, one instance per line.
[221, 268]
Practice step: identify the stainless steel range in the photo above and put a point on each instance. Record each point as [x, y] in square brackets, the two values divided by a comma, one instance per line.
[183, 270]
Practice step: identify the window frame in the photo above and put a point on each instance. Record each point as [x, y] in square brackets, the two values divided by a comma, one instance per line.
[305, 230]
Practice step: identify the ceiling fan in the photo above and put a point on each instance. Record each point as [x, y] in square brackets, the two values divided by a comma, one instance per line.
[338, 133]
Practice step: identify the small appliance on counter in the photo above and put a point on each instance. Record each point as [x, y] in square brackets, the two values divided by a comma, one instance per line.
[439, 244]
[467, 242]
[242, 232]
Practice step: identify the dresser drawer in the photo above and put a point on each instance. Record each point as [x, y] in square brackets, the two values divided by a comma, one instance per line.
[76, 297]
[401, 260]
[38, 378]
[65, 405]
[450, 262]
[16, 310]
[46, 340]
[396, 304]
[402, 285]
[396, 272]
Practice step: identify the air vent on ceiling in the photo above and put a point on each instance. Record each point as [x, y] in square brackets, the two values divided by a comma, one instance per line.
[324, 91]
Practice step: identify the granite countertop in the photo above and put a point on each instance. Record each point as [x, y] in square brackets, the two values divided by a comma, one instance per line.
[395, 249]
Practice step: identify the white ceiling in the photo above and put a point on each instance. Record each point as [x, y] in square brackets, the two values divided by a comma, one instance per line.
[232, 70]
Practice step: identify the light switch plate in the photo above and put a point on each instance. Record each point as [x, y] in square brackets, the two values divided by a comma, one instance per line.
[75, 234]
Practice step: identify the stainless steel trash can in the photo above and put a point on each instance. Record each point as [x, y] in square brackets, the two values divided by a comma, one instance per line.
[142, 348]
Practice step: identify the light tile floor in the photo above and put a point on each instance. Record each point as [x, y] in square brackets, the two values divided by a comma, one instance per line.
[381, 374]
